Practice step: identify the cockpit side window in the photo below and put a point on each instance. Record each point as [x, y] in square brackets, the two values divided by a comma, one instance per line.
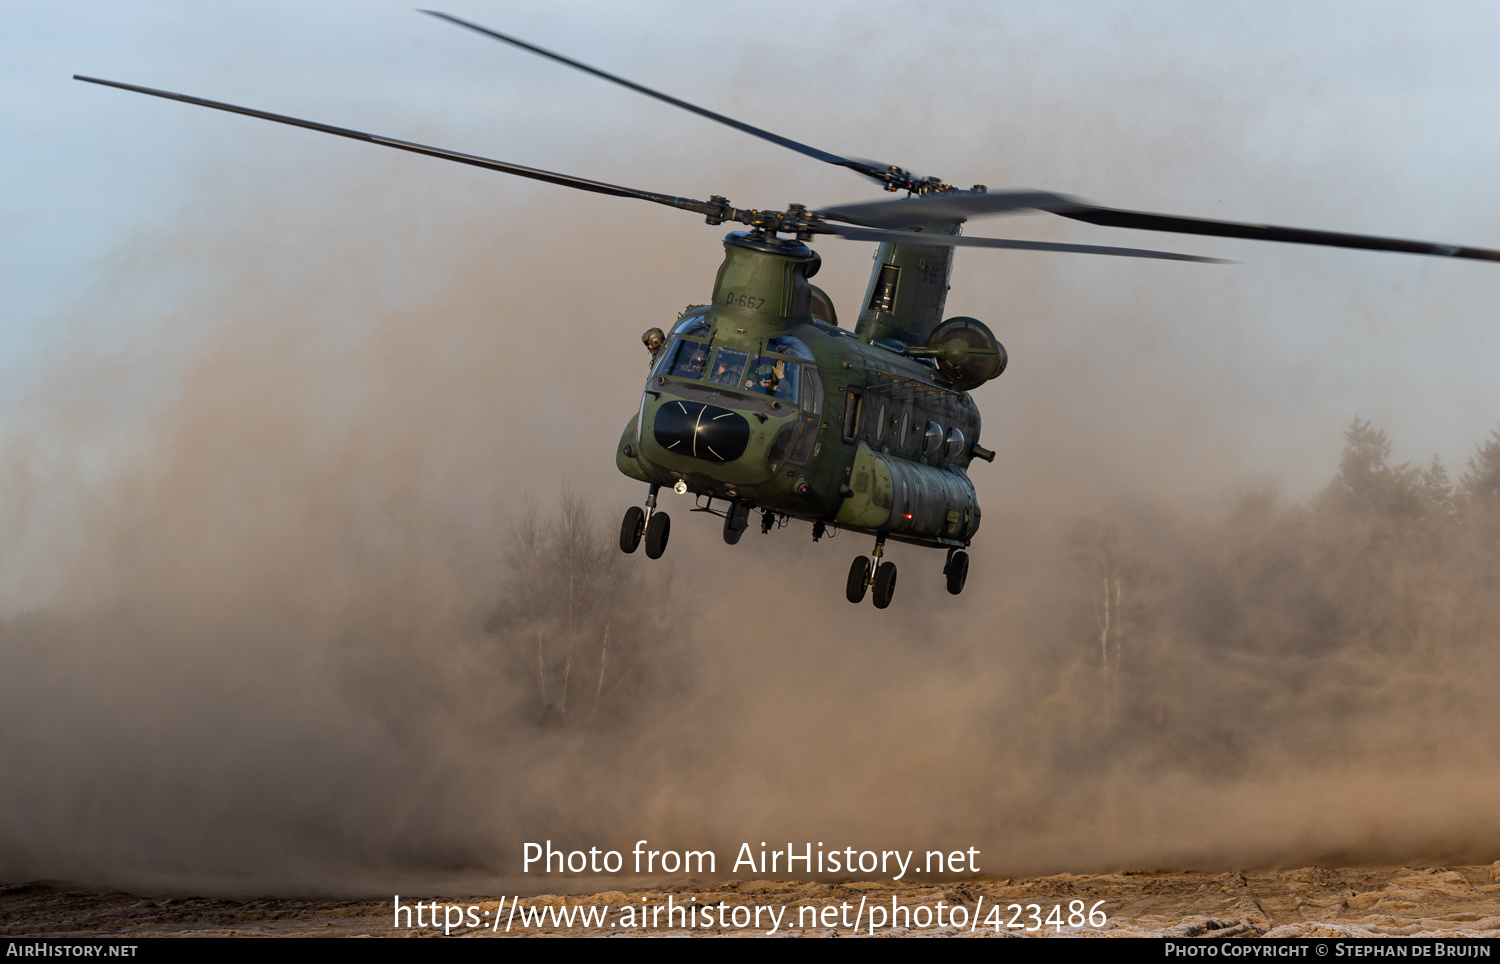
[687, 360]
[812, 391]
[807, 419]
[663, 359]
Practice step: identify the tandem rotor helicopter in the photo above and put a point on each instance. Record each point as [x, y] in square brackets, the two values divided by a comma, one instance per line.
[761, 401]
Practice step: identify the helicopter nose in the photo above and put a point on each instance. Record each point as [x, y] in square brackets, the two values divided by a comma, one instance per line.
[701, 431]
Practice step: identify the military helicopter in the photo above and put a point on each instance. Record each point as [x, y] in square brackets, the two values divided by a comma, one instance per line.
[761, 402]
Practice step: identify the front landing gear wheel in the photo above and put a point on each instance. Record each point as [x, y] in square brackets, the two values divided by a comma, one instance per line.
[631, 528]
[885, 584]
[957, 571]
[859, 579]
[657, 531]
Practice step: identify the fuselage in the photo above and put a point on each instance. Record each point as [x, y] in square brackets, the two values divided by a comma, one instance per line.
[759, 398]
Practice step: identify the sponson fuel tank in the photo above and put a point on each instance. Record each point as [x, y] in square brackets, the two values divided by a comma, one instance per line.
[910, 499]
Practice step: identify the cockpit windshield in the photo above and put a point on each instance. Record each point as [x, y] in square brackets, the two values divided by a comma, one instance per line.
[769, 375]
[687, 359]
[692, 327]
[728, 366]
[772, 376]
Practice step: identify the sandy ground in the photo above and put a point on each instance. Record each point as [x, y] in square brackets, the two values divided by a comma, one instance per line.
[1307, 902]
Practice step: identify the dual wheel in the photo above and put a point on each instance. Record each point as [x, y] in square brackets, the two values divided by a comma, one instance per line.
[859, 581]
[884, 583]
[634, 526]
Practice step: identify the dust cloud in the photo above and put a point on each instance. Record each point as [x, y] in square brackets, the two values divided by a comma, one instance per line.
[309, 585]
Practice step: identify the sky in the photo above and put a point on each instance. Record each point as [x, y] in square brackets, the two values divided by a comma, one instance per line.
[1358, 117]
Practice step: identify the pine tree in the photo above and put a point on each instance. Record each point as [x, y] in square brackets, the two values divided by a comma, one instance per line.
[1364, 482]
[1480, 485]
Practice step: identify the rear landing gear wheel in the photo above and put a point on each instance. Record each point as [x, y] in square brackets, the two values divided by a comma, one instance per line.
[631, 528]
[859, 579]
[885, 584]
[957, 571]
[657, 531]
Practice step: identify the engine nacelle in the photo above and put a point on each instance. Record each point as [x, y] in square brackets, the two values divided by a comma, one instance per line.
[966, 351]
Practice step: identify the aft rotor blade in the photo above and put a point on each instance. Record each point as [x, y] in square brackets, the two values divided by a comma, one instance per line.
[868, 168]
[957, 205]
[566, 180]
[1143, 221]
[943, 208]
[958, 240]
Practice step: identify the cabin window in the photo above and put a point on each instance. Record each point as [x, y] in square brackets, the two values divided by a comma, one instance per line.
[932, 440]
[776, 377]
[728, 366]
[687, 359]
[852, 410]
[905, 430]
[954, 446]
[880, 424]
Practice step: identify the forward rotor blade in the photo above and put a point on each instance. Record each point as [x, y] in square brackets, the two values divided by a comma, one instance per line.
[868, 168]
[566, 180]
[956, 205]
[958, 240]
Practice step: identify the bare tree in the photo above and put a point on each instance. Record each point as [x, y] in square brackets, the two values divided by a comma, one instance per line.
[1117, 578]
[578, 620]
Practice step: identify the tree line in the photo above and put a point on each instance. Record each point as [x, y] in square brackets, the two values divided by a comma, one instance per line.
[1273, 616]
